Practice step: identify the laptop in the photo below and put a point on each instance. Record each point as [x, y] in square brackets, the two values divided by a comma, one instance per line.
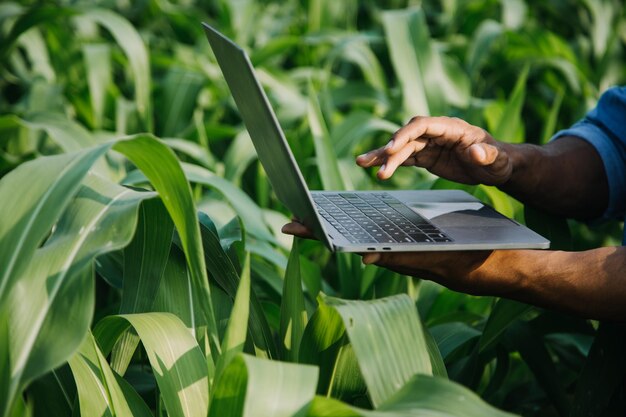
[362, 221]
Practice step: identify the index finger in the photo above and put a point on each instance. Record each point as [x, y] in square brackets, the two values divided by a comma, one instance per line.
[429, 127]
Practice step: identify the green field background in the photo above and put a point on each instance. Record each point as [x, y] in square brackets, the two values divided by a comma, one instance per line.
[142, 268]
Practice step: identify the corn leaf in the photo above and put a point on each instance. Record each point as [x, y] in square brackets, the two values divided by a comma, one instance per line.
[237, 329]
[509, 127]
[601, 373]
[21, 233]
[327, 164]
[100, 391]
[225, 274]
[387, 338]
[177, 361]
[430, 82]
[293, 316]
[136, 52]
[423, 395]
[244, 389]
[145, 259]
[101, 218]
[160, 165]
[503, 315]
[97, 58]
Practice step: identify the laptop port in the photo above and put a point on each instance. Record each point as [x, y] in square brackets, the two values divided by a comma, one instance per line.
[371, 248]
[386, 248]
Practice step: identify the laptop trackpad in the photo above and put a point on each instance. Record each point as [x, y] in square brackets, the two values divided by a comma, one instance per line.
[460, 214]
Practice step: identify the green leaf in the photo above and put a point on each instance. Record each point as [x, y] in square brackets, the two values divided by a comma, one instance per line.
[100, 391]
[387, 338]
[136, 52]
[293, 315]
[327, 164]
[510, 122]
[177, 361]
[322, 339]
[451, 336]
[355, 128]
[549, 128]
[145, 259]
[439, 395]
[423, 395]
[175, 293]
[237, 329]
[503, 315]
[225, 274]
[98, 64]
[244, 390]
[250, 214]
[23, 231]
[239, 156]
[69, 135]
[197, 152]
[430, 81]
[58, 281]
[408, 42]
[435, 355]
[53, 394]
[181, 87]
[160, 165]
[482, 40]
[602, 373]
[32, 17]
[522, 338]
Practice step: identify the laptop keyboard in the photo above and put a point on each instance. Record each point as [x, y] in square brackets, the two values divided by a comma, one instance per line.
[376, 218]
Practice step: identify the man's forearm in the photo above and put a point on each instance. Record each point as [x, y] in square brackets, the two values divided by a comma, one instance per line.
[590, 284]
[565, 177]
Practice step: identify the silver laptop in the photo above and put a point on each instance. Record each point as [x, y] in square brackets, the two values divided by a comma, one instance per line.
[362, 221]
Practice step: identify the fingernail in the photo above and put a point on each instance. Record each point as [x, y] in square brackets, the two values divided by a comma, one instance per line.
[389, 145]
[363, 155]
[382, 167]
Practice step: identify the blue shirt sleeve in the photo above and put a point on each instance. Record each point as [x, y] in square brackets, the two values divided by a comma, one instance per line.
[605, 128]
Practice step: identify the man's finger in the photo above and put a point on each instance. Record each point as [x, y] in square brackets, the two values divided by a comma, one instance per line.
[398, 158]
[435, 127]
[482, 153]
[371, 158]
[297, 229]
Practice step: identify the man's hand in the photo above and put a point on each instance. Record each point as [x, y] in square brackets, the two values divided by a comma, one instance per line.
[447, 147]
[458, 270]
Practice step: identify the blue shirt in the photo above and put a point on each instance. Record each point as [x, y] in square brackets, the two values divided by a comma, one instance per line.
[605, 128]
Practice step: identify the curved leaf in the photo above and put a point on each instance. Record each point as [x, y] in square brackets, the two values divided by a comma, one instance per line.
[136, 52]
[293, 316]
[101, 392]
[58, 179]
[58, 281]
[244, 390]
[178, 364]
[387, 338]
[160, 166]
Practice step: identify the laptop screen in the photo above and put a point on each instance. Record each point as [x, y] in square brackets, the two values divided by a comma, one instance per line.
[267, 136]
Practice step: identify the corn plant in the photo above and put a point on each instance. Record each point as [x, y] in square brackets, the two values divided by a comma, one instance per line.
[141, 268]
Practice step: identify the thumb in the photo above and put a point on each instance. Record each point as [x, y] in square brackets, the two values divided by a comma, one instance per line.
[482, 154]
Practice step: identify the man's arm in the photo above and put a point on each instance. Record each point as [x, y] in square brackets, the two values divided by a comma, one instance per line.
[590, 284]
[565, 176]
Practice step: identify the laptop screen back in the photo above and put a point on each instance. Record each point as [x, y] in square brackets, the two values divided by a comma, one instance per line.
[267, 136]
